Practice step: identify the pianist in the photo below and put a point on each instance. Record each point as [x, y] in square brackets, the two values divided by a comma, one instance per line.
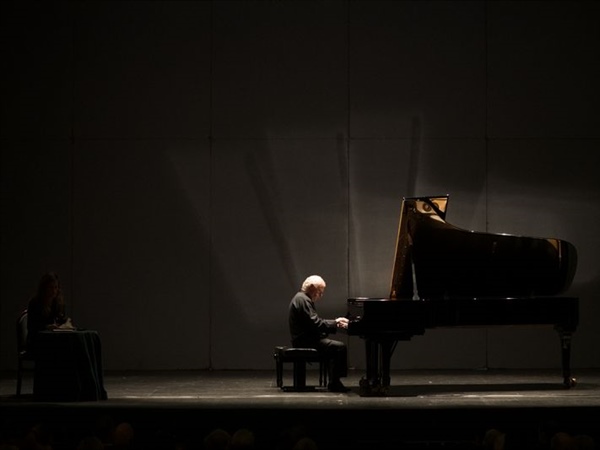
[308, 330]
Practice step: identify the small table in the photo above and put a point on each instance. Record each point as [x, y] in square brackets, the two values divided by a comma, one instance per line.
[68, 366]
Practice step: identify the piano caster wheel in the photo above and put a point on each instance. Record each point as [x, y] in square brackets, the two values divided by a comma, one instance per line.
[372, 388]
[570, 382]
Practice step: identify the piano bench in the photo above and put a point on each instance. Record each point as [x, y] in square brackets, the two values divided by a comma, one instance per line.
[299, 357]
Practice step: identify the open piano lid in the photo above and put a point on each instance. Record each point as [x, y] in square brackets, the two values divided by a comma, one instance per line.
[435, 259]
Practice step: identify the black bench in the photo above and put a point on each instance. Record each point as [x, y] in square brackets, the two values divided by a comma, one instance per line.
[299, 357]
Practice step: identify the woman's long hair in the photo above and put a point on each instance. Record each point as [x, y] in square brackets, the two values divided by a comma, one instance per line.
[47, 278]
[57, 303]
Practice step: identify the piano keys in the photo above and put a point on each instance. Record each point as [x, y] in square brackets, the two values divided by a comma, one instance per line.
[444, 276]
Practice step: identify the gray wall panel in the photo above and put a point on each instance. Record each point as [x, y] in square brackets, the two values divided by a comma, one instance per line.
[417, 59]
[141, 251]
[279, 215]
[142, 70]
[192, 162]
[37, 78]
[378, 182]
[280, 69]
[543, 69]
[35, 226]
[546, 188]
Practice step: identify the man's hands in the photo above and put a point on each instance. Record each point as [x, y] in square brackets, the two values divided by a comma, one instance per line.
[341, 322]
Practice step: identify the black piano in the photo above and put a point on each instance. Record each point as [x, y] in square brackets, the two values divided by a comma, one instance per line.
[444, 276]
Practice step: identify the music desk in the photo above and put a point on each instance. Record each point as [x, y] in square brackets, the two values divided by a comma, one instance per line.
[68, 366]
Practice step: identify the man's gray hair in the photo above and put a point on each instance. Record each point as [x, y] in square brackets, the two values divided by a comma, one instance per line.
[313, 280]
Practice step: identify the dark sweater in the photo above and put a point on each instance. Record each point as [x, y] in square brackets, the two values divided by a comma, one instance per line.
[306, 327]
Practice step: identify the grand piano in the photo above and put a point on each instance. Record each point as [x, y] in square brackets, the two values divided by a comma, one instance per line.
[445, 276]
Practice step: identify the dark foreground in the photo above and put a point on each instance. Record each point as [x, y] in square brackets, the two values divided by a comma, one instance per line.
[424, 409]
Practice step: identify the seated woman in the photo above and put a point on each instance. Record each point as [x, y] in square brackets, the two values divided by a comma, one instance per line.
[68, 366]
[46, 310]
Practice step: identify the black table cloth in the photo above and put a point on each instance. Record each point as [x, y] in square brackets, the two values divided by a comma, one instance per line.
[68, 366]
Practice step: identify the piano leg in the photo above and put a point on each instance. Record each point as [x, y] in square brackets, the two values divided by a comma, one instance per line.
[565, 341]
[378, 357]
[372, 360]
[386, 357]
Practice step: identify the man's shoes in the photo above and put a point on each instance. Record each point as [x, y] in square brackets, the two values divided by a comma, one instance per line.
[337, 386]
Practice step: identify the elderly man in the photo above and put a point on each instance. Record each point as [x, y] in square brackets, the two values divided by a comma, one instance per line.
[308, 330]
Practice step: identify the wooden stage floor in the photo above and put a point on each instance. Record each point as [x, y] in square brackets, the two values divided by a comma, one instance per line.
[423, 409]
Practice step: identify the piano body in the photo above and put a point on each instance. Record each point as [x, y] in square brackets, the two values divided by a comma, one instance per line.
[444, 276]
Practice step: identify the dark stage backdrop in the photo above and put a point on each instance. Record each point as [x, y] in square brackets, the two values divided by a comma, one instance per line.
[184, 165]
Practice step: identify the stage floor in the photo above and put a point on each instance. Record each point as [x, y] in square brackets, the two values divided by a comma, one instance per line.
[423, 409]
[409, 389]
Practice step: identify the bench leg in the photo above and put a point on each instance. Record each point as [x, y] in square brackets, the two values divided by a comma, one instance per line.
[299, 379]
[299, 375]
[279, 371]
[323, 372]
[19, 376]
